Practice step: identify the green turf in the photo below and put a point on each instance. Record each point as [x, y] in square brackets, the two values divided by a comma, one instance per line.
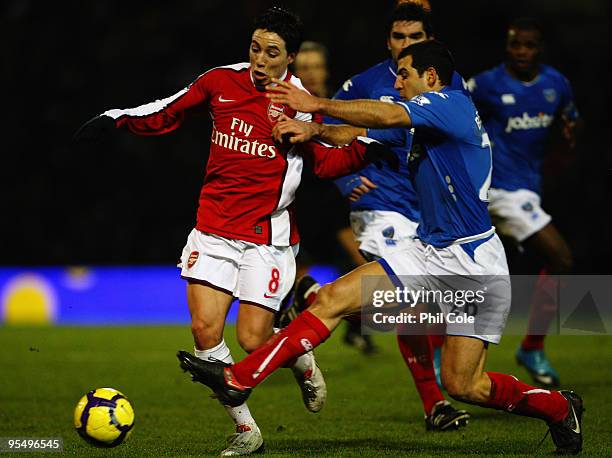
[372, 409]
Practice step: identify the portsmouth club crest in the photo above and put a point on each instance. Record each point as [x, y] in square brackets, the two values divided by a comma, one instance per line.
[550, 95]
[274, 111]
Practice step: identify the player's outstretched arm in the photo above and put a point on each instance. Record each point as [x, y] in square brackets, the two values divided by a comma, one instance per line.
[155, 118]
[294, 131]
[330, 162]
[340, 134]
[298, 132]
[362, 113]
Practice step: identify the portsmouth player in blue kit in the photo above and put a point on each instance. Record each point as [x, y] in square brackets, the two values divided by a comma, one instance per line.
[384, 208]
[450, 165]
[522, 104]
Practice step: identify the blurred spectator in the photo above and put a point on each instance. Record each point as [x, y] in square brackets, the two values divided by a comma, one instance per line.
[311, 67]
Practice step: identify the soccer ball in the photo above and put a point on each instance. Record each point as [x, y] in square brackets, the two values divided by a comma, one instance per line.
[104, 417]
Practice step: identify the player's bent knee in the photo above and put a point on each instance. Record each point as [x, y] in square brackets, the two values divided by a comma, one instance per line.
[457, 391]
[206, 334]
[250, 342]
[329, 302]
[457, 387]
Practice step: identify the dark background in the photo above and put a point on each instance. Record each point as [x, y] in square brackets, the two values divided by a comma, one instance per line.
[133, 199]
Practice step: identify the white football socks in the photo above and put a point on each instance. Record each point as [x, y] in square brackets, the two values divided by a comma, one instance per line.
[241, 414]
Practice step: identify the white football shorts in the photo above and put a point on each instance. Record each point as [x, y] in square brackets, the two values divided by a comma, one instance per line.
[382, 232]
[517, 214]
[257, 274]
[451, 270]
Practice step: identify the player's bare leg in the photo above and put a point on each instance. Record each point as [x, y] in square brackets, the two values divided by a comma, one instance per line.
[552, 248]
[312, 327]
[463, 360]
[208, 307]
[353, 335]
[463, 376]
[418, 356]
[255, 327]
[550, 245]
[464, 379]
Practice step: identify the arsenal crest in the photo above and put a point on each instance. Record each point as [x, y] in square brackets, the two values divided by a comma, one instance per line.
[274, 111]
[193, 258]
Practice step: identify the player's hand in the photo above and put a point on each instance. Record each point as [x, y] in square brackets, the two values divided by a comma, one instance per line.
[358, 191]
[568, 131]
[285, 93]
[94, 129]
[293, 131]
[376, 153]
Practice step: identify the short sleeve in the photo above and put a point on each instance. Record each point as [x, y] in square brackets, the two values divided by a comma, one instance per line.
[389, 137]
[432, 110]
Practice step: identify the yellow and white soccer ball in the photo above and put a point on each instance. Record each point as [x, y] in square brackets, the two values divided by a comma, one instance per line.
[104, 417]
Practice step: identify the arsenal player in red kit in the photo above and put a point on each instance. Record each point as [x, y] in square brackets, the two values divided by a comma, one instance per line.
[245, 240]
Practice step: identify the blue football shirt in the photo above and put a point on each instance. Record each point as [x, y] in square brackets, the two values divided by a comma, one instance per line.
[449, 164]
[518, 117]
[395, 191]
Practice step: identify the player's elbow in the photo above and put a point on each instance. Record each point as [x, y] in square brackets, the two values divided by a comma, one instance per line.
[390, 115]
[397, 118]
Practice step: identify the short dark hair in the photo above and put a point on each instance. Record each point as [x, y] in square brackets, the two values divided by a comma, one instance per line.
[411, 12]
[526, 23]
[315, 46]
[431, 53]
[286, 24]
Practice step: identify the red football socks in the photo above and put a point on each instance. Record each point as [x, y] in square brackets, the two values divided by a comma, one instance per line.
[512, 395]
[302, 335]
[418, 356]
[437, 340]
[531, 343]
[543, 311]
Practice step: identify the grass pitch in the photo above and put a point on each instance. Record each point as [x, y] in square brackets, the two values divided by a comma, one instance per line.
[372, 409]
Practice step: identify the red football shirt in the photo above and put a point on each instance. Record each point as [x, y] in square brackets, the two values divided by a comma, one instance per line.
[250, 180]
